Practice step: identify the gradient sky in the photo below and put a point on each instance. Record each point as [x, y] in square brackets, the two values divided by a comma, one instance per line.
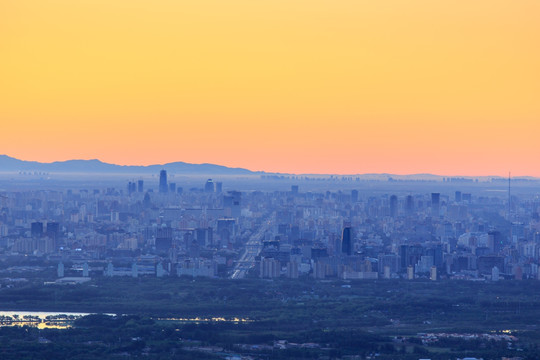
[302, 86]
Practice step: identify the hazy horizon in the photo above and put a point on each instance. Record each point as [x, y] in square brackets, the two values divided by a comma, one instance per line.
[277, 172]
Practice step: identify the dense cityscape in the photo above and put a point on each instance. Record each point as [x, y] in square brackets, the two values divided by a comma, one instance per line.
[160, 228]
[310, 266]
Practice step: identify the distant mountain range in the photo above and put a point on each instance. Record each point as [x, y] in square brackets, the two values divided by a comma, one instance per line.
[9, 164]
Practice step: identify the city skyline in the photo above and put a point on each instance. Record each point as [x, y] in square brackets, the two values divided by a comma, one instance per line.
[293, 87]
[285, 179]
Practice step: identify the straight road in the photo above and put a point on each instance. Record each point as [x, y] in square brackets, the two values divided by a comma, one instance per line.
[253, 248]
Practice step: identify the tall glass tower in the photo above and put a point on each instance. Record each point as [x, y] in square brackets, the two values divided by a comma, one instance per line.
[346, 241]
[163, 187]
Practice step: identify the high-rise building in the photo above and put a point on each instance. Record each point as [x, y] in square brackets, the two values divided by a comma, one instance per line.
[146, 201]
[409, 205]
[346, 241]
[53, 230]
[458, 196]
[219, 187]
[410, 273]
[433, 273]
[435, 204]
[270, 268]
[163, 187]
[388, 260]
[393, 206]
[319, 270]
[292, 270]
[386, 272]
[164, 239]
[132, 187]
[410, 255]
[232, 202]
[204, 236]
[226, 230]
[140, 186]
[209, 186]
[172, 187]
[354, 196]
[36, 229]
[495, 274]
[495, 241]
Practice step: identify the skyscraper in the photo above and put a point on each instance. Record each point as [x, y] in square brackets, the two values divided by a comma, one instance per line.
[495, 241]
[140, 186]
[409, 205]
[146, 201]
[164, 239]
[131, 188]
[232, 202]
[354, 196]
[393, 206]
[36, 229]
[346, 241]
[204, 236]
[226, 230]
[163, 187]
[209, 186]
[435, 204]
[53, 230]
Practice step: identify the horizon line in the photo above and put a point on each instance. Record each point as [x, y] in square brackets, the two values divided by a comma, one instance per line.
[277, 173]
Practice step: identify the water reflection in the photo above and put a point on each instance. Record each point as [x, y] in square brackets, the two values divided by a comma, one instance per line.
[39, 319]
[57, 320]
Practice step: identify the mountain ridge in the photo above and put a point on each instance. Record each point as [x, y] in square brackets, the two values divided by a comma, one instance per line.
[8, 163]
[11, 164]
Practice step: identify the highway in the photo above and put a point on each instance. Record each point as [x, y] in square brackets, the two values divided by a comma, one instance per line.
[253, 248]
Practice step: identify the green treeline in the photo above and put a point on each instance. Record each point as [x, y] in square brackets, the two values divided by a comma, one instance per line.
[342, 319]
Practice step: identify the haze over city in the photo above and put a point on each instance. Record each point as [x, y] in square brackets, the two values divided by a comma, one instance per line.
[256, 180]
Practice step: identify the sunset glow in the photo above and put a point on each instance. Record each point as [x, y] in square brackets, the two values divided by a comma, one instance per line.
[319, 86]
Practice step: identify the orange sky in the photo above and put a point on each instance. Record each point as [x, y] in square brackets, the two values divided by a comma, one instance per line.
[302, 86]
